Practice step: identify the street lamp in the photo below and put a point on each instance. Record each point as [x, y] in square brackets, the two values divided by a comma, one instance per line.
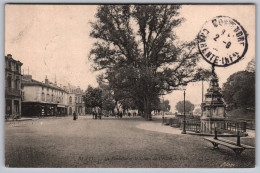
[163, 107]
[184, 116]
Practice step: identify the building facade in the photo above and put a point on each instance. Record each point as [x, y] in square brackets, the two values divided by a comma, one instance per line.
[43, 98]
[75, 100]
[13, 78]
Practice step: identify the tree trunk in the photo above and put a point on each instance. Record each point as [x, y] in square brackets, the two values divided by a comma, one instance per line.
[147, 108]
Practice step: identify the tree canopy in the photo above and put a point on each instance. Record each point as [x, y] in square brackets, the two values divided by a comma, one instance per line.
[165, 106]
[138, 51]
[251, 66]
[93, 97]
[189, 107]
[239, 90]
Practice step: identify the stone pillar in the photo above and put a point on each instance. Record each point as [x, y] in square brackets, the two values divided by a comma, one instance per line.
[20, 108]
[13, 108]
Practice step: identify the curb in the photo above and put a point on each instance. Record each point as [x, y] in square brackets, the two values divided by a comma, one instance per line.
[205, 134]
[27, 119]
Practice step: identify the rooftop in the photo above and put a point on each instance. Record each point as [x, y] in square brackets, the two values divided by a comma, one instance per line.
[28, 81]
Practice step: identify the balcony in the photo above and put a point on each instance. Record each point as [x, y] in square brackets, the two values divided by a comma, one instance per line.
[14, 71]
[12, 91]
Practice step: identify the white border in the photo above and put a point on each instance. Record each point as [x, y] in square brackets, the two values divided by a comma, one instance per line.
[114, 170]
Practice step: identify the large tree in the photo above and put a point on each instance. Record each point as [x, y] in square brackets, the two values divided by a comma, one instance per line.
[137, 48]
[239, 90]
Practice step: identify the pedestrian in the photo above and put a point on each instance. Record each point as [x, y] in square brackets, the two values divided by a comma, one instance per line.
[74, 116]
[121, 114]
[93, 114]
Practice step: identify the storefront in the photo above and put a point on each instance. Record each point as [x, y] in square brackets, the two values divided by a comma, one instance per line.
[61, 110]
[38, 109]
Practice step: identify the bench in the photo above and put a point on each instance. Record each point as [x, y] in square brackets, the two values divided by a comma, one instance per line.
[237, 147]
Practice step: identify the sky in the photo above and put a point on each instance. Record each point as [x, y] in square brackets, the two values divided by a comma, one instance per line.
[53, 40]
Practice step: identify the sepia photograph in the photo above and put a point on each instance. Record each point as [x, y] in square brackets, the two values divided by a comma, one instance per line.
[129, 85]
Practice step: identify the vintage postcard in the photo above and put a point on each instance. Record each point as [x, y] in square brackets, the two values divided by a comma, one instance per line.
[130, 85]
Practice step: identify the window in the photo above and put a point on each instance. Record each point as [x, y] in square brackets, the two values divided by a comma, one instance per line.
[76, 99]
[70, 100]
[17, 68]
[17, 83]
[48, 97]
[42, 88]
[9, 82]
[43, 96]
[10, 65]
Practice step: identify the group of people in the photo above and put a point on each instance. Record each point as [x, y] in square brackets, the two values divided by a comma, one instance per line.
[119, 115]
[96, 115]
[99, 115]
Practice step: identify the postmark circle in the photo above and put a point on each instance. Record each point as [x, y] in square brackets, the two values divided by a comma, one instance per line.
[222, 41]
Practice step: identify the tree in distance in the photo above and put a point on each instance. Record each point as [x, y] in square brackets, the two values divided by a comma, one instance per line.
[165, 106]
[93, 97]
[197, 111]
[138, 51]
[189, 107]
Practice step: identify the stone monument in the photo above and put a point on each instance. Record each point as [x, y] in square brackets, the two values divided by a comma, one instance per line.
[213, 107]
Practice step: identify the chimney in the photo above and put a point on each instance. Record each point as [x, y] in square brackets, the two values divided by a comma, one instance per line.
[46, 81]
[9, 55]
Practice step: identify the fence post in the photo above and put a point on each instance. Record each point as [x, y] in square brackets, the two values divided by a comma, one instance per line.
[244, 126]
[215, 133]
[238, 139]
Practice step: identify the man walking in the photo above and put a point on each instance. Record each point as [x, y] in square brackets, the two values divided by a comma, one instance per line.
[93, 114]
[74, 116]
